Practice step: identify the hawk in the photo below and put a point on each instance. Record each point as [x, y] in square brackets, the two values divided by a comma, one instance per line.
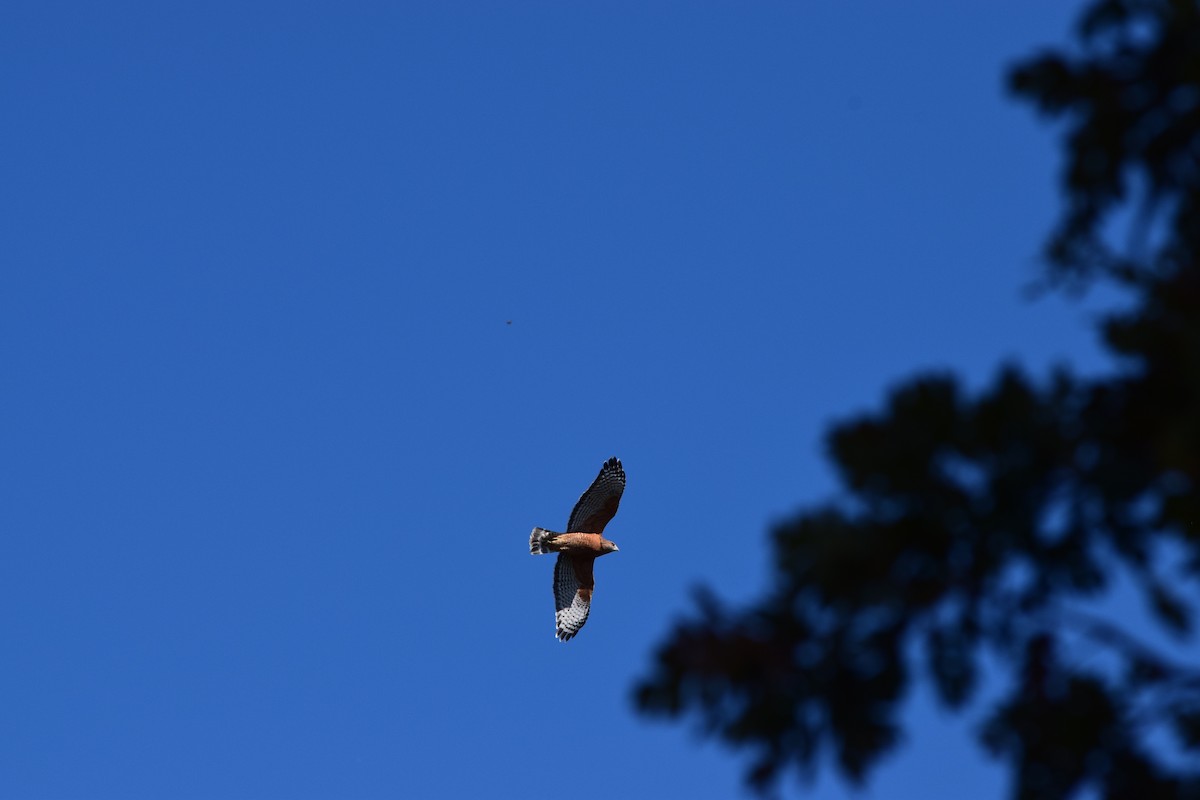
[579, 547]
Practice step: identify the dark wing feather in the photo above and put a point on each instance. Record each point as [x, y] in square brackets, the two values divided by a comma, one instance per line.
[572, 594]
[599, 503]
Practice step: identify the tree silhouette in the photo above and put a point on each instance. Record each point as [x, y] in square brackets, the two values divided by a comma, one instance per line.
[990, 523]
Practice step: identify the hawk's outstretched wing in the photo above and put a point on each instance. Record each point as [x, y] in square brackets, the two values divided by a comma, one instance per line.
[599, 503]
[573, 586]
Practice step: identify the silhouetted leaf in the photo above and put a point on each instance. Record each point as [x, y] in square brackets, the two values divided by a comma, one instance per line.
[1187, 727]
[952, 662]
[1170, 610]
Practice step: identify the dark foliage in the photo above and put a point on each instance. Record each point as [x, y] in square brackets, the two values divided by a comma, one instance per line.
[988, 523]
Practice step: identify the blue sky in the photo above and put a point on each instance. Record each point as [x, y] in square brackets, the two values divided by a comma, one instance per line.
[271, 449]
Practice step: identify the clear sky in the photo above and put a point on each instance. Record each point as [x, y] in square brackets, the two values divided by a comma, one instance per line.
[271, 448]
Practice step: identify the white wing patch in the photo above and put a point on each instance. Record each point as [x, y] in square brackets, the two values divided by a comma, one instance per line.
[570, 608]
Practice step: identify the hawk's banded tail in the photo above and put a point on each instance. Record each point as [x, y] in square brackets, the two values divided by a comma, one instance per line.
[539, 541]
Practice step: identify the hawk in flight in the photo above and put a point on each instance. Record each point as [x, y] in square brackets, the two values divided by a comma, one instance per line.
[579, 547]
